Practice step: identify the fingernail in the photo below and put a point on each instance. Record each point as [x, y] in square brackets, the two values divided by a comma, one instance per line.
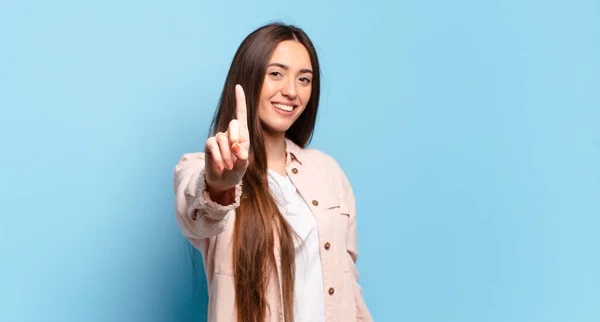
[236, 148]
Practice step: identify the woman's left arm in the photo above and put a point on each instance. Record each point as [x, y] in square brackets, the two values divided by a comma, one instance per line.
[352, 248]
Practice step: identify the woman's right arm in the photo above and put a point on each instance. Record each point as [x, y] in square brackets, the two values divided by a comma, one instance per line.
[208, 185]
[198, 215]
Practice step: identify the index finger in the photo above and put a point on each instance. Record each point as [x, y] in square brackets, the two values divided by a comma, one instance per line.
[240, 108]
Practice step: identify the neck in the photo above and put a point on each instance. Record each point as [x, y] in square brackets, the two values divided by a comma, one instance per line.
[275, 149]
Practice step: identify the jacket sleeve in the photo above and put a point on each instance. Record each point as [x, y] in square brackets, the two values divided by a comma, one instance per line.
[198, 216]
[363, 313]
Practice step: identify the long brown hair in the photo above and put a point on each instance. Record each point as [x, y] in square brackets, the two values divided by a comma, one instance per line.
[258, 220]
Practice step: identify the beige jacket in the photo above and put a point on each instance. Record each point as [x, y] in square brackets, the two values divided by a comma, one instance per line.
[324, 187]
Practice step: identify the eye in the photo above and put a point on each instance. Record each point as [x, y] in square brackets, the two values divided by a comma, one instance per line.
[305, 80]
[275, 74]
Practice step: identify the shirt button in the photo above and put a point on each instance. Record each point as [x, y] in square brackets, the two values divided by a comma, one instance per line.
[294, 171]
[316, 203]
[331, 291]
[327, 245]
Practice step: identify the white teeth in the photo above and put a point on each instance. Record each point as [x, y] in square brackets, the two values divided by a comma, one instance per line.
[284, 107]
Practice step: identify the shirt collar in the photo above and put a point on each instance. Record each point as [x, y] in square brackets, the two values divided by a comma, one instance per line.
[296, 152]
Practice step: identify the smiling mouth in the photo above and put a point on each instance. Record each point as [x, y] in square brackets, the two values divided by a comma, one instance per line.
[284, 107]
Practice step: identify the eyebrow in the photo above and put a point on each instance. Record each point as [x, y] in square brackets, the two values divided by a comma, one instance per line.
[285, 67]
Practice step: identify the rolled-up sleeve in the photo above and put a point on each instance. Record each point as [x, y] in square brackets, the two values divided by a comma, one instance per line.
[198, 216]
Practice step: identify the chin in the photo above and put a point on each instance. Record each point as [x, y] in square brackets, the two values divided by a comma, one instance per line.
[277, 127]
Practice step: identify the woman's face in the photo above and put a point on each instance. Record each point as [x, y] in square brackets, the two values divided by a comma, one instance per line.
[287, 86]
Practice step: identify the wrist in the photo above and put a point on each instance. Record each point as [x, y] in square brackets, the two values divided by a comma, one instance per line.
[223, 197]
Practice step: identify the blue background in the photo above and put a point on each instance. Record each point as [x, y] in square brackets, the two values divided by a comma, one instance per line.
[470, 131]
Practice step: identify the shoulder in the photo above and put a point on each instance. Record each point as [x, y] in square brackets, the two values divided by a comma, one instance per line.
[329, 167]
[321, 158]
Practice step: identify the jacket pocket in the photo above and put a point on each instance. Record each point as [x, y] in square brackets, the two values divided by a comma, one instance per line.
[344, 210]
[338, 218]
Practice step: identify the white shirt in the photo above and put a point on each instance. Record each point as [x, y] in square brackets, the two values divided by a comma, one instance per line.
[309, 305]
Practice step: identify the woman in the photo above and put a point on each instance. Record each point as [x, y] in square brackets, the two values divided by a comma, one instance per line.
[275, 221]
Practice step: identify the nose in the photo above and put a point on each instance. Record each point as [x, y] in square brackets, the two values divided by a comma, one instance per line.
[288, 88]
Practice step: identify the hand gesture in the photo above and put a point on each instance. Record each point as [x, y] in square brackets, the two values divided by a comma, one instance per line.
[227, 153]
